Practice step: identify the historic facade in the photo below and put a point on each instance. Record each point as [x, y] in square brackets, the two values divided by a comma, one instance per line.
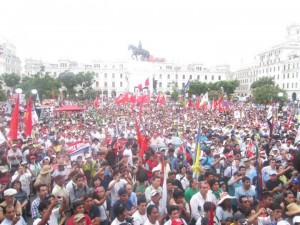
[9, 61]
[280, 62]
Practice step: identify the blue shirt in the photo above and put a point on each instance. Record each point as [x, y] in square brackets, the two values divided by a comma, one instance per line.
[9, 222]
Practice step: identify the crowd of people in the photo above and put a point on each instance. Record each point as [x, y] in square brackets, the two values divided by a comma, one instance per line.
[111, 182]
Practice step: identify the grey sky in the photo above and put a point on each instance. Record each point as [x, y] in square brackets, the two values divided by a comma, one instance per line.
[212, 32]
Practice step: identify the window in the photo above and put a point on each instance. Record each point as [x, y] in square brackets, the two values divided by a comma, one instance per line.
[205, 77]
[160, 76]
[113, 66]
[212, 77]
[287, 85]
[97, 83]
[105, 84]
[160, 84]
[121, 75]
[288, 76]
[219, 77]
[284, 76]
[121, 66]
[113, 75]
[278, 77]
[121, 84]
[191, 77]
[183, 84]
[183, 76]
[292, 85]
[105, 75]
[169, 76]
[113, 84]
[176, 76]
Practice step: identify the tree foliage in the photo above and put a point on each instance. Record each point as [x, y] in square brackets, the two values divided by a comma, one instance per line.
[263, 81]
[85, 80]
[69, 80]
[43, 84]
[266, 93]
[11, 80]
[228, 87]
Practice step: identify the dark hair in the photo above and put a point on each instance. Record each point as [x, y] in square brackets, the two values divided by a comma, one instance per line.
[16, 182]
[7, 207]
[209, 205]
[43, 205]
[245, 178]
[241, 197]
[87, 195]
[141, 200]
[204, 221]
[150, 208]
[241, 167]
[177, 193]
[212, 182]
[155, 177]
[275, 206]
[169, 181]
[77, 203]
[48, 197]
[79, 175]
[208, 173]
[172, 208]
[38, 187]
[118, 209]
[266, 195]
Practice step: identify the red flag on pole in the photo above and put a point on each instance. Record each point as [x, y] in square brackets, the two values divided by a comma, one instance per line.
[14, 122]
[96, 102]
[28, 118]
[147, 82]
[198, 102]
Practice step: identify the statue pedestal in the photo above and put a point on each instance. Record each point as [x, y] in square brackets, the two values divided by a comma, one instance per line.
[138, 72]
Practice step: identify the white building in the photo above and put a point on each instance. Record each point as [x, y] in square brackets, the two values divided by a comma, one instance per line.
[280, 62]
[9, 61]
[115, 77]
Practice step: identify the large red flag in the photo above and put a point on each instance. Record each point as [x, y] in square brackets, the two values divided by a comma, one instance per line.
[147, 82]
[140, 87]
[28, 118]
[14, 122]
[162, 100]
[198, 103]
[96, 102]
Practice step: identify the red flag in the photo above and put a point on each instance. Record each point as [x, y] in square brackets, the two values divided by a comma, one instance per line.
[14, 121]
[198, 103]
[140, 87]
[147, 82]
[157, 99]
[227, 106]
[288, 124]
[118, 99]
[162, 100]
[28, 118]
[190, 103]
[52, 94]
[96, 102]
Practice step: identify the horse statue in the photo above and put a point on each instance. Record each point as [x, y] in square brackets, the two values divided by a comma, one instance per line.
[136, 51]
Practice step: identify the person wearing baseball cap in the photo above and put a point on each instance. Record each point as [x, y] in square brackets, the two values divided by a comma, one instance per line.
[9, 199]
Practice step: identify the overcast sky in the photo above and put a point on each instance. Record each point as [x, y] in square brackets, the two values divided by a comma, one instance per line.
[212, 32]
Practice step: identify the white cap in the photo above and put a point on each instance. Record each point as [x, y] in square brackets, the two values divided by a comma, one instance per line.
[10, 192]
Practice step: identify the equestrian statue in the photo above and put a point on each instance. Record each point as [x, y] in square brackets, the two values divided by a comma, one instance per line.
[139, 52]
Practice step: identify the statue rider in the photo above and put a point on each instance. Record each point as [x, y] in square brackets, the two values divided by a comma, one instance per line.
[140, 45]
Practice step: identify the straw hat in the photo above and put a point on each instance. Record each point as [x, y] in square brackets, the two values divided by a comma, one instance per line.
[46, 169]
[293, 209]
[224, 196]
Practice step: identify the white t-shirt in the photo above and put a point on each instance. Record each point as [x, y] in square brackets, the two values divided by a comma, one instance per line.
[128, 152]
[139, 219]
[117, 222]
[52, 220]
[114, 191]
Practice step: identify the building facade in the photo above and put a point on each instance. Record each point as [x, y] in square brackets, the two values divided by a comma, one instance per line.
[116, 77]
[9, 61]
[280, 62]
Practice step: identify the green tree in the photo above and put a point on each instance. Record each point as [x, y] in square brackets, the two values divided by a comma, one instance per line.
[263, 81]
[266, 93]
[228, 86]
[214, 94]
[197, 88]
[69, 80]
[85, 80]
[11, 80]
[44, 84]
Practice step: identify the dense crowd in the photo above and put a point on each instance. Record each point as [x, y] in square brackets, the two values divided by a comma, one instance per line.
[246, 173]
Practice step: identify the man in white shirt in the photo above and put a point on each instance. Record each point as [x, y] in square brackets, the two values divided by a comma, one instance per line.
[128, 153]
[198, 200]
[140, 216]
[121, 213]
[115, 185]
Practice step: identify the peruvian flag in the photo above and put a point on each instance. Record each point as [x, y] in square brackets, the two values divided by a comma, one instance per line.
[220, 103]
[157, 99]
[28, 118]
[162, 100]
[147, 82]
[198, 103]
[96, 102]
[14, 121]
